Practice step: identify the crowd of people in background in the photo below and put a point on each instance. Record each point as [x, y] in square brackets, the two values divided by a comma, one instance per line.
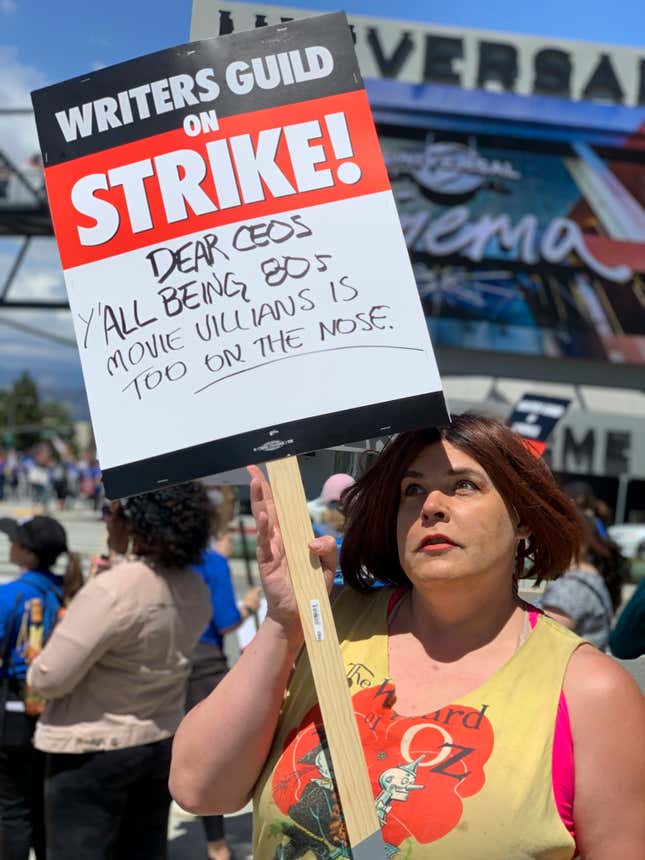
[98, 667]
[51, 477]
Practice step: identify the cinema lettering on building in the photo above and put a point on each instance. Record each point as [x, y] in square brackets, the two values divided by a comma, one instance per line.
[517, 165]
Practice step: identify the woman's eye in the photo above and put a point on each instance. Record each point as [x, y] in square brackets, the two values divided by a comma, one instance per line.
[465, 484]
[413, 490]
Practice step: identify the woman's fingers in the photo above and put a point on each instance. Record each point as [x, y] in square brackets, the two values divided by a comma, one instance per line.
[327, 552]
[262, 486]
[270, 548]
[255, 472]
[261, 496]
[263, 541]
[257, 487]
[267, 494]
[258, 504]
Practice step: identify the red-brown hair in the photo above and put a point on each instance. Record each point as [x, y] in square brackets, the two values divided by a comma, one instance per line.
[369, 551]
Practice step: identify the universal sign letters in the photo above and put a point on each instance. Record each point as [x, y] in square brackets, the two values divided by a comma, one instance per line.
[471, 59]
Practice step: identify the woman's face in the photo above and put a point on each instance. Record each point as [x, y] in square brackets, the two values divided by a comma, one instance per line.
[452, 522]
[118, 528]
[23, 558]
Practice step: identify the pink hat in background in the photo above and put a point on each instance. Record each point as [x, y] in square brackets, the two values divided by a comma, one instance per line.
[334, 486]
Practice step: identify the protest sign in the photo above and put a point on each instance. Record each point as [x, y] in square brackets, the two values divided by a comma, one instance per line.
[534, 417]
[236, 271]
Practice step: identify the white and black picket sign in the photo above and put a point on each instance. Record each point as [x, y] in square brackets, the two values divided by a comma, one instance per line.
[236, 271]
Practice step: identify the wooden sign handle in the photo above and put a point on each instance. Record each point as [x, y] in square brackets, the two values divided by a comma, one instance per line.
[350, 771]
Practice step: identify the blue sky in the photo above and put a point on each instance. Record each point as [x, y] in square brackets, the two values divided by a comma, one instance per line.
[42, 42]
[57, 40]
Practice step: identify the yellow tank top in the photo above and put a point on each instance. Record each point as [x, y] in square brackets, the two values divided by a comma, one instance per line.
[470, 781]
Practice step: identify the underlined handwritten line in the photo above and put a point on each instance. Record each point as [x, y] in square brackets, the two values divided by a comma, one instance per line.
[300, 355]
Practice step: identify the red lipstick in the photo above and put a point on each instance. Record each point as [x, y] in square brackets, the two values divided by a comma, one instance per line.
[435, 543]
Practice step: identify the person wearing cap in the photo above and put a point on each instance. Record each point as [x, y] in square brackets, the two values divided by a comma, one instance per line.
[36, 545]
[331, 520]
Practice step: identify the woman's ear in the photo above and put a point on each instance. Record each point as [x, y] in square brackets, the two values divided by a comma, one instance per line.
[522, 531]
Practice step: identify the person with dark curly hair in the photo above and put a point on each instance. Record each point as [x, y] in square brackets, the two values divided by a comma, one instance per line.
[489, 730]
[114, 673]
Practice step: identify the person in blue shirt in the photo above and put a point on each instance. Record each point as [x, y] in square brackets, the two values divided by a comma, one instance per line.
[227, 615]
[209, 661]
[36, 545]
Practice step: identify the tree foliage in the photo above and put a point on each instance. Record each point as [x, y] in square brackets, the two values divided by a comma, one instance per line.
[25, 419]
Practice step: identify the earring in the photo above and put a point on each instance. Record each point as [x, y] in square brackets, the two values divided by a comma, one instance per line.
[520, 557]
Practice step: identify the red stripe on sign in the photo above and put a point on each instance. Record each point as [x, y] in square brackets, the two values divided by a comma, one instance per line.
[255, 164]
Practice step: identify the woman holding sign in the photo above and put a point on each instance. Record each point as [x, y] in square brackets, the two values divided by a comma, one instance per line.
[488, 729]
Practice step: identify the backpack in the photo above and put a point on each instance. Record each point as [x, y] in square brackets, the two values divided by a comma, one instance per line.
[39, 617]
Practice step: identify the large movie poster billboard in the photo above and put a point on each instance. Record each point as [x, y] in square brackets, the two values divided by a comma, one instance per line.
[531, 246]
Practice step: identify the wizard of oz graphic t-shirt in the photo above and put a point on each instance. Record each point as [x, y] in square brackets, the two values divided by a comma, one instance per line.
[473, 779]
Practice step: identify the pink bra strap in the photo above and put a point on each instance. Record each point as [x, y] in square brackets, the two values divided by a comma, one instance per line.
[562, 765]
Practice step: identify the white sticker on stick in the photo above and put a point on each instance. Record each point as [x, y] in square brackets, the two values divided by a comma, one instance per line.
[316, 617]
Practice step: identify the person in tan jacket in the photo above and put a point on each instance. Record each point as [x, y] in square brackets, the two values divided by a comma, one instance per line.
[114, 673]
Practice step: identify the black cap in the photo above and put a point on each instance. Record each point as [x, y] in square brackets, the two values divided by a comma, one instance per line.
[8, 526]
[44, 536]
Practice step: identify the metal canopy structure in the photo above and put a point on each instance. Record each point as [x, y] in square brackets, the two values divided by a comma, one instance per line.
[24, 213]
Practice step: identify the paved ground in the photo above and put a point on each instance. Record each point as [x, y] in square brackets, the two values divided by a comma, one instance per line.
[187, 840]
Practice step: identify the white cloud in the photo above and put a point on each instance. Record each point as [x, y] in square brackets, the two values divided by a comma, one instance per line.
[8, 7]
[39, 277]
[17, 80]
[37, 286]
